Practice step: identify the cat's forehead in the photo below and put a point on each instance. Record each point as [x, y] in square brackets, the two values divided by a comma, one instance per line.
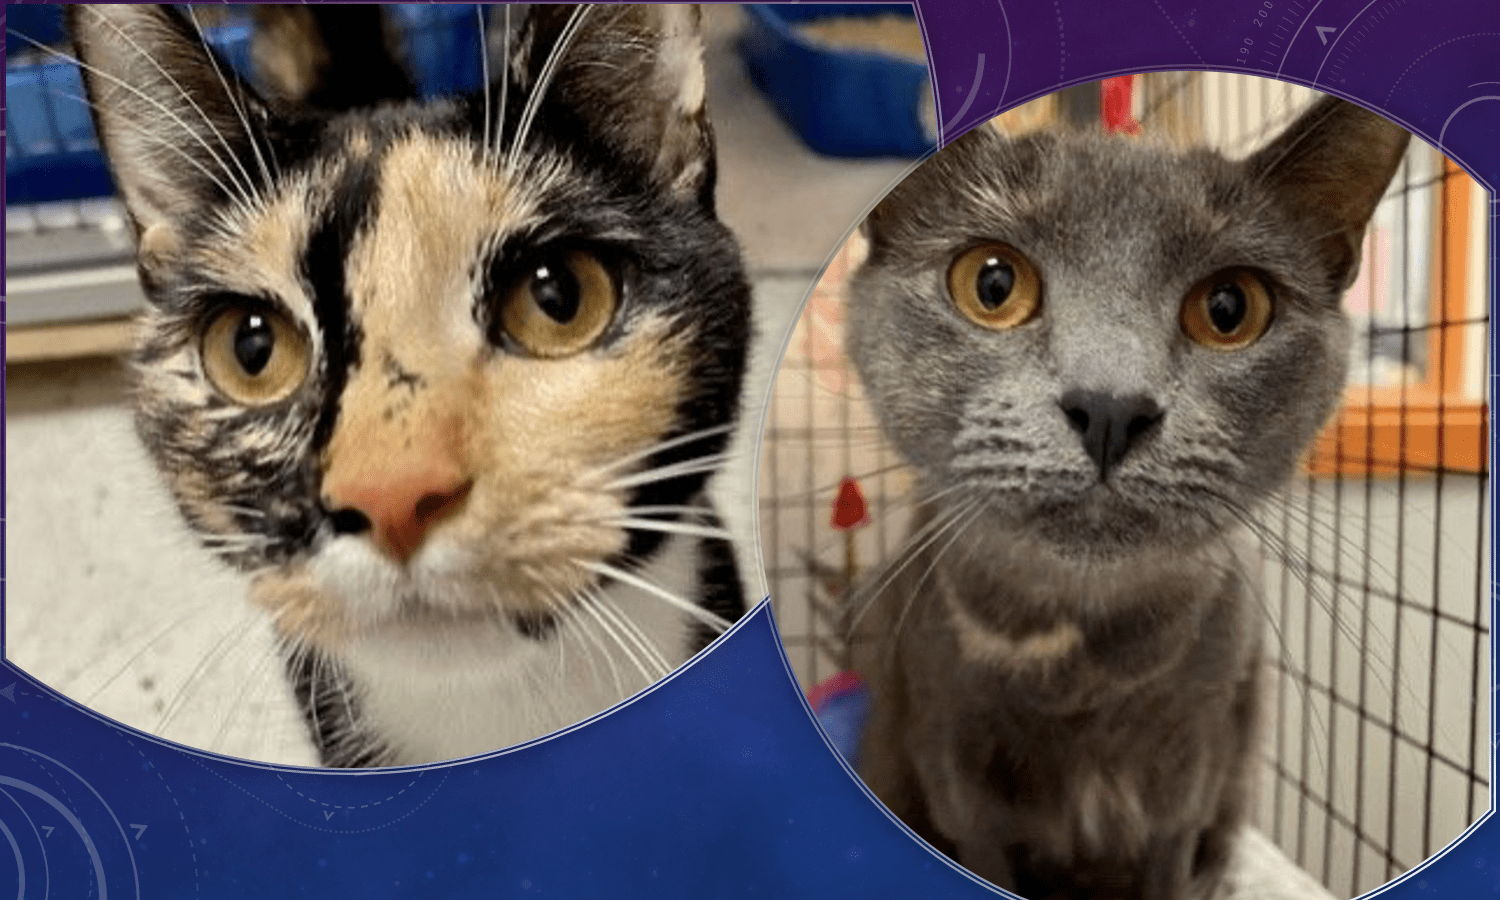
[407, 214]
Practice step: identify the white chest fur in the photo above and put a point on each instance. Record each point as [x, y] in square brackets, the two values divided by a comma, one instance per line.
[431, 693]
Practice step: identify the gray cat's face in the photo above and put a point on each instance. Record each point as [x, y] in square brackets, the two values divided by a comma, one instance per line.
[1115, 347]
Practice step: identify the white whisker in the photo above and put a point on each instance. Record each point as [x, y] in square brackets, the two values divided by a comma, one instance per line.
[716, 622]
[544, 79]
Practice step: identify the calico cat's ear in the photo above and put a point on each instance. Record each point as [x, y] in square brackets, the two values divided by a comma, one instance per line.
[1331, 167]
[634, 74]
[175, 123]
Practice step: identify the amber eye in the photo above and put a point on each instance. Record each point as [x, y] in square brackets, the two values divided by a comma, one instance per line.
[253, 354]
[1228, 310]
[995, 286]
[562, 305]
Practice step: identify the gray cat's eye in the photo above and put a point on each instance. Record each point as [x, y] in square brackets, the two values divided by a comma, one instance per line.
[995, 286]
[1229, 310]
[253, 354]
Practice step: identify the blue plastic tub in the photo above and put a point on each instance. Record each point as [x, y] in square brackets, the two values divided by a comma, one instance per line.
[50, 149]
[840, 102]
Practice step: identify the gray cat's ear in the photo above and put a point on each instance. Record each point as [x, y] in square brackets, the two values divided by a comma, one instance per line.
[175, 137]
[1330, 167]
[634, 74]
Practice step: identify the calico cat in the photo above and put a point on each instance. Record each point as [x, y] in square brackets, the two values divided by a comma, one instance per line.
[446, 378]
[1099, 357]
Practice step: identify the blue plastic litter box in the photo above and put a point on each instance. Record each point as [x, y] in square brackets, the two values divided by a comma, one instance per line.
[51, 152]
[841, 102]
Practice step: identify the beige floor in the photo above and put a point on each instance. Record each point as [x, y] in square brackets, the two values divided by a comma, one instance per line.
[108, 601]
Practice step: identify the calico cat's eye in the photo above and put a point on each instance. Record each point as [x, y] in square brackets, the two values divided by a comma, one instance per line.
[995, 286]
[1228, 310]
[561, 306]
[254, 354]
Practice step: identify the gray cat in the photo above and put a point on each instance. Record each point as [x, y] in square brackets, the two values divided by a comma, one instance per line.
[1100, 357]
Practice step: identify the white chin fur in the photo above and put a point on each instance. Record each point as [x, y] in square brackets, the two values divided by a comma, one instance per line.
[435, 691]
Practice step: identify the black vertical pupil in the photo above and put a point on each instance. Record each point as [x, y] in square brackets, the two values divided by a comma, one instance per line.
[555, 291]
[1226, 307]
[995, 282]
[254, 341]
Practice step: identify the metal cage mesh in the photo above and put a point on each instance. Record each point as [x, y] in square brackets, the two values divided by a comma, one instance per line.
[1377, 704]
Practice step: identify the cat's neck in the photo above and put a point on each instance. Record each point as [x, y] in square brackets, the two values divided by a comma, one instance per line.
[433, 694]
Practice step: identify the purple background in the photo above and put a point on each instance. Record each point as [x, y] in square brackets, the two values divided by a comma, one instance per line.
[717, 783]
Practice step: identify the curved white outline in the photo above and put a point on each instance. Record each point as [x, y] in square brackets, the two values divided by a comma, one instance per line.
[1459, 109]
[1319, 75]
[135, 873]
[968, 100]
[46, 866]
[88, 842]
[20, 863]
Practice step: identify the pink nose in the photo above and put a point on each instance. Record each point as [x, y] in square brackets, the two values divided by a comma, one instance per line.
[401, 507]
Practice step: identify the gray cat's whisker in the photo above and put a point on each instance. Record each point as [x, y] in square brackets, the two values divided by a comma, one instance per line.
[974, 510]
[233, 98]
[246, 188]
[544, 80]
[710, 619]
[910, 549]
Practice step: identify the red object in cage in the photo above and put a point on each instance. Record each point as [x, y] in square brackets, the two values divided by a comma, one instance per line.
[849, 510]
[1114, 105]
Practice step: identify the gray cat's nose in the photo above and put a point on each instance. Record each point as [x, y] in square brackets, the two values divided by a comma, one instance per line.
[1108, 425]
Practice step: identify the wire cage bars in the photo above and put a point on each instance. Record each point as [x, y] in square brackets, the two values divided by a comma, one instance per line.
[1376, 742]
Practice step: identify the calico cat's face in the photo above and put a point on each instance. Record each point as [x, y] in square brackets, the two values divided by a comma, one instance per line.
[1116, 347]
[411, 362]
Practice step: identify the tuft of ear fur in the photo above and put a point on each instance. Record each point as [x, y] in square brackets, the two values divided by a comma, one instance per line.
[1331, 167]
[177, 126]
[634, 74]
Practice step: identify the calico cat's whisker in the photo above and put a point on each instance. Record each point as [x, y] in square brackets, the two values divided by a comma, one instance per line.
[642, 640]
[231, 96]
[616, 573]
[659, 447]
[210, 659]
[543, 81]
[171, 627]
[484, 73]
[504, 84]
[622, 639]
[246, 190]
[160, 142]
[664, 510]
[600, 649]
[673, 470]
[703, 531]
[229, 711]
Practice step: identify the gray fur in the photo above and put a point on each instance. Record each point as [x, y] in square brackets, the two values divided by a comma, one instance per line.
[1063, 665]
